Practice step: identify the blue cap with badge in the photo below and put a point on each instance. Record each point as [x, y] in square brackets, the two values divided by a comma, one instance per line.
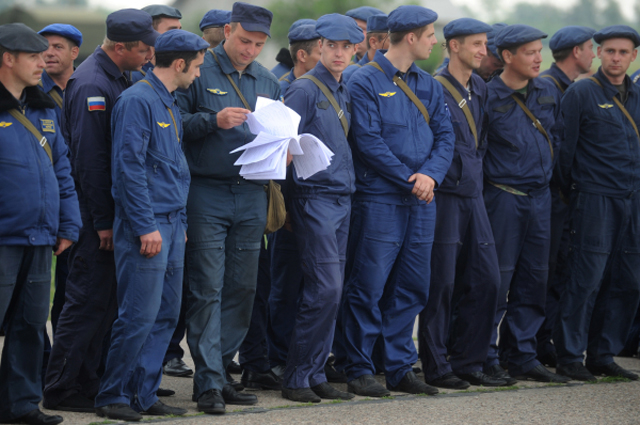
[517, 35]
[377, 23]
[617, 31]
[303, 33]
[215, 18]
[180, 41]
[63, 30]
[162, 10]
[569, 37]
[338, 27]
[491, 37]
[18, 37]
[131, 25]
[405, 18]
[465, 26]
[363, 13]
[252, 18]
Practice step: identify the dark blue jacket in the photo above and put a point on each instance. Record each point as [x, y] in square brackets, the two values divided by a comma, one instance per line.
[88, 133]
[37, 198]
[285, 82]
[464, 177]
[346, 75]
[280, 69]
[320, 119]
[601, 151]
[206, 145]
[559, 76]
[518, 155]
[391, 139]
[47, 85]
[150, 173]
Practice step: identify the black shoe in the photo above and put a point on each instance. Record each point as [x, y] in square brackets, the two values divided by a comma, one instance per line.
[575, 371]
[481, 378]
[118, 411]
[496, 371]
[262, 381]
[176, 367]
[304, 395]
[325, 390]
[161, 409]
[36, 417]
[549, 359]
[542, 374]
[417, 370]
[231, 396]
[450, 381]
[412, 385]
[612, 369]
[73, 403]
[163, 392]
[234, 367]
[211, 401]
[366, 385]
[333, 375]
[235, 384]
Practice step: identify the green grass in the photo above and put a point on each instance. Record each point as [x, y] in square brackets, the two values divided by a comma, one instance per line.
[609, 380]
[388, 397]
[102, 423]
[489, 389]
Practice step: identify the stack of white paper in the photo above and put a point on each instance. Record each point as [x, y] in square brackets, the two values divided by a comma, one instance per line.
[276, 127]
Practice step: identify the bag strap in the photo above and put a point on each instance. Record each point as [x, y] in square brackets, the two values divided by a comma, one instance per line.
[244, 101]
[622, 108]
[42, 141]
[54, 95]
[462, 103]
[405, 88]
[284, 78]
[332, 100]
[535, 120]
[175, 126]
[554, 81]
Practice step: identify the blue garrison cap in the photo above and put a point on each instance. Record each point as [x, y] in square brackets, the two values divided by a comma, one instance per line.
[215, 18]
[20, 38]
[63, 30]
[491, 37]
[131, 25]
[363, 13]
[338, 27]
[516, 35]
[617, 31]
[180, 41]
[303, 33]
[302, 22]
[405, 18]
[161, 10]
[252, 18]
[377, 23]
[570, 36]
[465, 26]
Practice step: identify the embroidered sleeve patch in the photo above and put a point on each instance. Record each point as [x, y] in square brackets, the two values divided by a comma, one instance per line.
[163, 124]
[217, 91]
[48, 126]
[96, 103]
[4, 124]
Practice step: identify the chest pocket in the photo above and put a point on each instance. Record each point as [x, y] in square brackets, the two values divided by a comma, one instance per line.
[323, 105]
[504, 108]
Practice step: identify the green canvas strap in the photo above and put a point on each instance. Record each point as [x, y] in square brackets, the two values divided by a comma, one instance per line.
[535, 121]
[462, 104]
[332, 100]
[244, 101]
[284, 78]
[554, 81]
[622, 108]
[175, 126]
[42, 141]
[54, 95]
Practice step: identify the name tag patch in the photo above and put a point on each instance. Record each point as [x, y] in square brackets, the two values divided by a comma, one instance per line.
[96, 103]
[48, 126]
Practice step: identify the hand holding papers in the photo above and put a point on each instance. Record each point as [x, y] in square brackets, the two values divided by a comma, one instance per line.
[276, 127]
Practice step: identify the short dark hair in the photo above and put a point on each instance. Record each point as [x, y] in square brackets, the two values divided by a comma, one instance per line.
[4, 50]
[513, 50]
[560, 55]
[460, 39]
[396, 37]
[378, 35]
[306, 45]
[165, 59]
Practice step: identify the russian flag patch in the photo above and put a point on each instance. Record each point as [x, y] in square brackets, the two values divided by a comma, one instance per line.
[96, 103]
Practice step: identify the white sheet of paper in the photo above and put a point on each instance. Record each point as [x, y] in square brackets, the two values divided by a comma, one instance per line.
[316, 158]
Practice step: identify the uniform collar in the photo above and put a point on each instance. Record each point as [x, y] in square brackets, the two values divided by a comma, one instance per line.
[107, 64]
[35, 98]
[503, 91]
[226, 66]
[559, 75]
[609, 89]
[445, 73]
[48, 83]
[166, 97]
[364, 60]
[323, 74]
[291, 76]
[389, 70]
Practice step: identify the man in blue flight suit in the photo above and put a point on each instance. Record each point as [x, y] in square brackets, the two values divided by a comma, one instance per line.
[305, 52]
[319, 209]
[517, 168]
[39, 215]
[572, 50]
[463, 258]
[212, 26]
[599, 173]
[361, 15]
[491, 64]
[377, 39]
[227, 214]
[402, 140]
[150, 186]
[90, 304]
[284, 59]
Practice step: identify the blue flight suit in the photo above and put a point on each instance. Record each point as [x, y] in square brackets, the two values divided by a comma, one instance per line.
[346, 75]
[135, 76]
[150, 187]
[635, 77]
[559, 238]
[463, 255]
[319, 208]
[285, 82]
[392, 231]
[39, 205]
[90, 305]
[599, 167]
[632, 345]
[519, 157]
[227, 216]
[280, 69]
